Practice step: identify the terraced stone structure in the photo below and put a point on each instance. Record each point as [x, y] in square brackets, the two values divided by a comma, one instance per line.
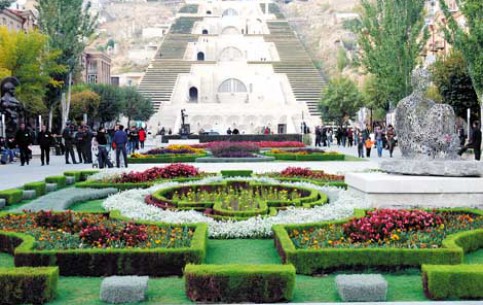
[233, 64]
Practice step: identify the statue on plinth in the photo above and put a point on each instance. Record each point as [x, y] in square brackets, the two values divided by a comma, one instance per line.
[427, 136]
[10, 107]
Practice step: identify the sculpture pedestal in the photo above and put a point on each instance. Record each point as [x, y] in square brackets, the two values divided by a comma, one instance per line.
[399, 191]
[448, 168]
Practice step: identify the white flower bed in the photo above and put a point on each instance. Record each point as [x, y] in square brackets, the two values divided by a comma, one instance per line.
[341, 205]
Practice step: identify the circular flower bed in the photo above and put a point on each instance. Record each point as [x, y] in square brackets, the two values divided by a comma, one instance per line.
[235, 199]
[305, 154]
[341, 205]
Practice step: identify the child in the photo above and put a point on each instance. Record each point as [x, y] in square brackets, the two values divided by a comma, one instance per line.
[369, 143]
[360, 147]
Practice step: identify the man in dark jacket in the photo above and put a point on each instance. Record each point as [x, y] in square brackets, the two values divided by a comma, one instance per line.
[103, 158]
[68, 136]
[45, 140]
[23, 140]
[475, 142]
[120, 141]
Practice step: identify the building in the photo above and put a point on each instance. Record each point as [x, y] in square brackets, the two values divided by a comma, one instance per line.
[96, 67]
[15, 19]
[232, 64]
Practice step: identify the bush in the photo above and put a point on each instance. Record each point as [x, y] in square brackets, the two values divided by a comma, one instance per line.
[75, 174]
[12, 196]
[233, 149]
[86, 173]
[450, 282]
[236, 173]
[38, 187]
[28, 285]
[61, 181]
[155, 173]
[99, 262]
[240, 283]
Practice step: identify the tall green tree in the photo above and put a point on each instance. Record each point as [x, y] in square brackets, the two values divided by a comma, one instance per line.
[451, 77]
[135, 106]
[27, 57]
[68, 24]
[111, 102]
[340, 100]
[5, 4]
[469, 40]
[391, 35]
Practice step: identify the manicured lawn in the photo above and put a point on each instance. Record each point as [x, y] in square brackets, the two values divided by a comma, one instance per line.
[88, 206]
[6, 260]
[242, 251]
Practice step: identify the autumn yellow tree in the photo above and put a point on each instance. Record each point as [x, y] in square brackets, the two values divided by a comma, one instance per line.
[26, 56]
[84, 102]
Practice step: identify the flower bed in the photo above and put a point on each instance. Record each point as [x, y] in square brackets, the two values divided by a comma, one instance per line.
[235, 199]
[300, 172]
[260, 144]
[132, 204]
[305, 154]
[98, 244]
[170, 154]
[383, 238]
[127, 180]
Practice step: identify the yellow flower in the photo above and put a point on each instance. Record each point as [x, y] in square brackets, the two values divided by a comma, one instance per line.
[330, 242]
[441, 226]
[395, 237]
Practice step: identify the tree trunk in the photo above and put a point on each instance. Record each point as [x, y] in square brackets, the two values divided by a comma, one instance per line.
[66, 103]
[51, 115]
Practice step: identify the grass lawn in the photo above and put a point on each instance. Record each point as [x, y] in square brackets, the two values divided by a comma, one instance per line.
[242, 251]
[475, 257]
[88, 206]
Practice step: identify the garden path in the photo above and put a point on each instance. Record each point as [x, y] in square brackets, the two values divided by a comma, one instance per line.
[62, 199]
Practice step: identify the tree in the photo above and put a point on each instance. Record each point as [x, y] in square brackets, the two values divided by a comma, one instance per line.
[68, 24]
[391, 37]
[111, 101]
[340, 99]
[26, 56]
[84, 102]
[469, 40]
[453, 81]
[5, 4]
[135, 106]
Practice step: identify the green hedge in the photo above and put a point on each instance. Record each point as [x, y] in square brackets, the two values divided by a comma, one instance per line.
[129, 185]
[60, 180]
[308, 157]
[28, 285]
[86, 173]
[12, 196]
[450, 282]
[166, 159]
[236, 173]
[106, 262]
[39, 187]
[239, 283]
[75, 174]
[310, 261]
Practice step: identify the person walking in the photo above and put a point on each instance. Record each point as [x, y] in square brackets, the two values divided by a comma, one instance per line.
[23, 139]
[133, 140]
[80, 138]
[68, 136]
[318, 136]
[103, 157]
[142, 137]
[475, 141]
[120, 141]
[368, 143]
[360, 147]
[378, 133]
[45, 140]
[87, 149]
[391, 142]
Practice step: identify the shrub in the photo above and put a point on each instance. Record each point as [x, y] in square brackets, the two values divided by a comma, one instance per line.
[12, 196]
[75, 174]
[38, 187]
[239, 283]
[450, 282]
[61, 181]
[236, 173]
[28, 285]
[86, 173]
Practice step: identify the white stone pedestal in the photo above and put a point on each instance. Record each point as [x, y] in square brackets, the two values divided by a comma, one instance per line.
[401, 191]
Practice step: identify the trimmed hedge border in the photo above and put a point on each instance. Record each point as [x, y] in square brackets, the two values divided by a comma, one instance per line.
[86, 173]
[105, 262]
[450, 282]
[12, 196]
[60, 180]
[75, 174]
[308, 157]
[38, 187]
[28, 285]
[311, 261]
[166, 159]
[236, 173]
[259, 158]
[129, 185]
[239, 283]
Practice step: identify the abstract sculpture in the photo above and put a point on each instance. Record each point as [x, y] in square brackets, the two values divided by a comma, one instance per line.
[10, 106]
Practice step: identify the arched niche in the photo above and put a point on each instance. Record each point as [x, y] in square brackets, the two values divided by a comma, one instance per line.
[200, 56]
[230, 54]
[232, 85]
[193, 95]
[230, 30]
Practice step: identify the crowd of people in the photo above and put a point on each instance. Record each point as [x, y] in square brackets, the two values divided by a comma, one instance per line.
[92, 147]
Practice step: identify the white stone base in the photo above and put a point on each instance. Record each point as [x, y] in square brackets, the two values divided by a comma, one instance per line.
[184, 142]
[401, 191]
